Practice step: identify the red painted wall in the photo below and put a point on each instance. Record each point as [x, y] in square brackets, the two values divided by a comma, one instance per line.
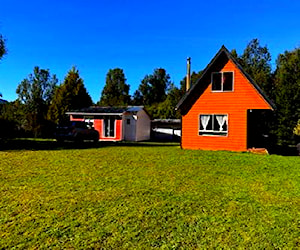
[98, 125]
[235, 104]
[76, 119]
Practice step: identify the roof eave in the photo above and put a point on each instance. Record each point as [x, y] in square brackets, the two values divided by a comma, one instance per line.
[85, 113]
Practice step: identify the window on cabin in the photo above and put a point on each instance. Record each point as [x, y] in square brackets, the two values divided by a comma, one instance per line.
[213, 124]
[128, 121]
[222, 81]
[109, 127]
[89, 123]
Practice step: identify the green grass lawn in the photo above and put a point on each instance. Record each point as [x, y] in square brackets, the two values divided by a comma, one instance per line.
[142, 197]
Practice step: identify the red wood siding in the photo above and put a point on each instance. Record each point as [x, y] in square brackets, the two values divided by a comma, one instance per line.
[235, 104]
[118, 130]
[98, 127]
[76, 119]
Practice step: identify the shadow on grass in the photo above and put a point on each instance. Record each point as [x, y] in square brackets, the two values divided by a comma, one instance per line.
[284, 150]
[48, 144]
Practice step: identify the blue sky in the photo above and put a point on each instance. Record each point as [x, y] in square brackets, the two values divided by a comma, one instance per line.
[137, 36]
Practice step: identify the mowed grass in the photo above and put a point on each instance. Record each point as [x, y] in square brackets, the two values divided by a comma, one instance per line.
[141, 197]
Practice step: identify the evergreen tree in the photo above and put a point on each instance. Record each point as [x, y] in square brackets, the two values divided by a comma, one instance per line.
[166, 109]
[287, 89]
[3, 49]
[153, 88]
[115, 91]
[137, 98]
[256, 61]
[35, 93]
[70, 95]
[194, 78]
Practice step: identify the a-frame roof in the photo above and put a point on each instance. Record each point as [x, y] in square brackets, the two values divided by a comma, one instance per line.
[223, 51]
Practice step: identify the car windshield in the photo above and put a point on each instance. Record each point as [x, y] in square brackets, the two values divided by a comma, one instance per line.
[78, 124]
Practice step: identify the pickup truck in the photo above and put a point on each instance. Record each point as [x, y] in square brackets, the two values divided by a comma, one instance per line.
[76, 131]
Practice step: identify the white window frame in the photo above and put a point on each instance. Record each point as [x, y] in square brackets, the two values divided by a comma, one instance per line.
[109, 118]
[222, 86]
[89, 122]
[212, 132]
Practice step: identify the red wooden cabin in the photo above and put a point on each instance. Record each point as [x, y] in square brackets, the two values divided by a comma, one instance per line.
[222, 109]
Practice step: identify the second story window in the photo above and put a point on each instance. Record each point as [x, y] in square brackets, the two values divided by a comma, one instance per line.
[222, 81]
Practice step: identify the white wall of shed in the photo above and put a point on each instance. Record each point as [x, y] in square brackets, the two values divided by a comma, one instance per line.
[129, 130]
[143, 126]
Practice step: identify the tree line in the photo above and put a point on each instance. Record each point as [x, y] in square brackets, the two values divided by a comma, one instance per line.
[42, 102]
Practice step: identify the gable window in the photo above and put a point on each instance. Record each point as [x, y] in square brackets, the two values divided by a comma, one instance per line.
[213, 124]
[109, 127]
[222, 81]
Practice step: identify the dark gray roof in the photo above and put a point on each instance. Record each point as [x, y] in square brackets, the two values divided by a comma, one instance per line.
[96, 110]
[222, 51]
[134, 108]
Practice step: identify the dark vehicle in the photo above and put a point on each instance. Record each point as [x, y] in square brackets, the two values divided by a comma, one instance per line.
[77, 131]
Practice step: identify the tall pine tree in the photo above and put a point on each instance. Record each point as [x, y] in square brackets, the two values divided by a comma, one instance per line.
[115, 91]
[287, 88]
[70, 95]
[153, 88]
[3, 49]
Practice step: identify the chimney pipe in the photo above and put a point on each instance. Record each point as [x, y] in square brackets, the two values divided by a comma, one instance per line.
[188, 75]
